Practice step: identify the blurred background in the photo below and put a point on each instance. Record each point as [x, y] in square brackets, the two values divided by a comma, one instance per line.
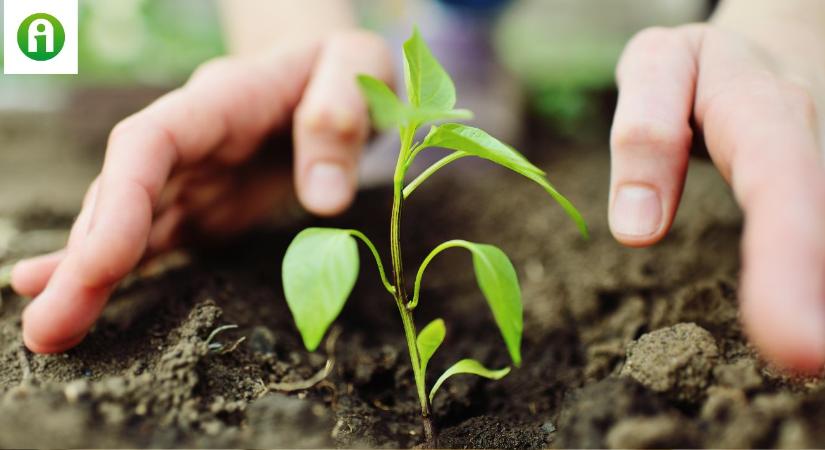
[548, 60]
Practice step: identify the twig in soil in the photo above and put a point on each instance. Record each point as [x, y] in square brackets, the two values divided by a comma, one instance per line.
[219, 348]
[263, 390]
[333, 392]
[304, 385]
[380, 405]
[320, 376]
[25, 367]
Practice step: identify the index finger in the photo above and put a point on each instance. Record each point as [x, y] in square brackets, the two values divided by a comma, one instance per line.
[223, 112]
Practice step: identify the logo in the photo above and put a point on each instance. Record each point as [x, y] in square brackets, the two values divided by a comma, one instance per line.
[40, 36]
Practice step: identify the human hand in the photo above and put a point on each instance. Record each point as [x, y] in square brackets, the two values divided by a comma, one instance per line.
[757, 111]
[191, 159]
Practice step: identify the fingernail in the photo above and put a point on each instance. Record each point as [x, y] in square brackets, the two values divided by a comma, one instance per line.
[328, 188]
[637, 211]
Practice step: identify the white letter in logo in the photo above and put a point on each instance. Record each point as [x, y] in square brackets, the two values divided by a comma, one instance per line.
[41, 27]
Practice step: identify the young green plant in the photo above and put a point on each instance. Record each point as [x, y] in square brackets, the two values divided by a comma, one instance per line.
[321, 264]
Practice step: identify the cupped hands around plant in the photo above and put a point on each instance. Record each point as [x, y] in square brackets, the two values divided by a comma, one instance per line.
[321, 264]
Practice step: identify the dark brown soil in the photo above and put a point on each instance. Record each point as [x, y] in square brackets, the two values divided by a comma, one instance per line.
[622, 348]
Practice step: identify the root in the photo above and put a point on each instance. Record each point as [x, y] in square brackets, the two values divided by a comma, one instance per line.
[303, 385]
[219, 348]
[319, 377]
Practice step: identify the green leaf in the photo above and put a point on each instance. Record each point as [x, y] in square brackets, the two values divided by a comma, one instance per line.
[468, 366]
[318, 272]
[428, 341]
[477, 142]
[424, 115]
[385, 109]
[428, 84]
[499, 283]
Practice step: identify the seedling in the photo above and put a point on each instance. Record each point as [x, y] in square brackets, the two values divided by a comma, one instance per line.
[321, 264]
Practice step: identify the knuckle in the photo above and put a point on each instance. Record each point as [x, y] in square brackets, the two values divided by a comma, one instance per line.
[157, 139]
[340, 123]
[363, 48]
[648, 45]
[134, 126]
[799, 100]
[360, 40]
[651, 135]
[212, 68]
[652, 39]
[123, 129]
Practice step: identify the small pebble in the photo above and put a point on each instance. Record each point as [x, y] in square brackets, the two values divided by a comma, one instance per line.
[75, 390]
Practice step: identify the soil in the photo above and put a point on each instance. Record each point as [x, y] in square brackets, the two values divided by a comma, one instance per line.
[622, 348]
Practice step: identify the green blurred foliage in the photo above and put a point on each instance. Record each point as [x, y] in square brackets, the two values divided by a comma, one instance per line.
[147, 41]
[141, 41]
[565, 51]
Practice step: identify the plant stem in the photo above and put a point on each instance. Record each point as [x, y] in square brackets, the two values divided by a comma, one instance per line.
[417, 286]
[431, 170]
[387, 285]
[400, 296]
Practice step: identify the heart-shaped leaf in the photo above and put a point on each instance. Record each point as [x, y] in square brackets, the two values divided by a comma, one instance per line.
[468, 366]
[318, 272]
[428, 341]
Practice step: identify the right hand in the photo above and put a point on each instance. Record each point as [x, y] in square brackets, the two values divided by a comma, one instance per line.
[188, 159]
[760, 121]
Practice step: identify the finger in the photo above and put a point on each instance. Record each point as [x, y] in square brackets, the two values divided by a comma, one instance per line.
[32, 275]
[164, 234]
[29, 276]
[651, 134]
[331, 123]
[222, 112]
[761, 133]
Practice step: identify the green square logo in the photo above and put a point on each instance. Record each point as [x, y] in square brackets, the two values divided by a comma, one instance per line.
[40, 36]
